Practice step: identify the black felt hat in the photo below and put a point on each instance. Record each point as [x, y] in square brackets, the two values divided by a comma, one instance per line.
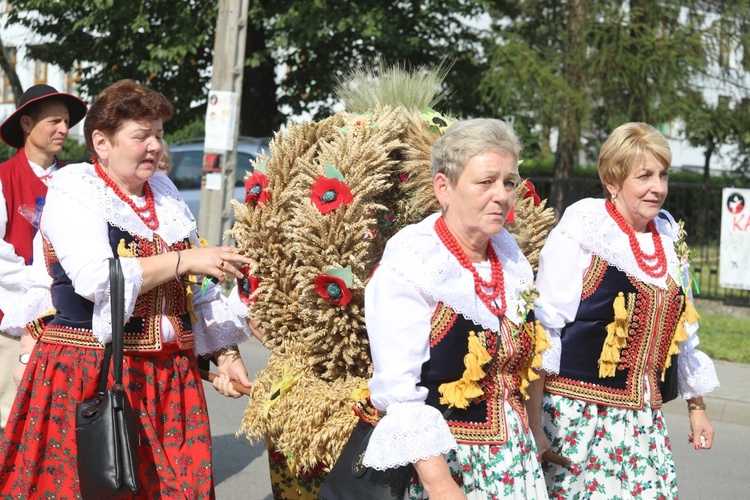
[11, 131]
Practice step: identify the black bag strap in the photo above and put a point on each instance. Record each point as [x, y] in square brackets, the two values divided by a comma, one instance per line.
[117, 305]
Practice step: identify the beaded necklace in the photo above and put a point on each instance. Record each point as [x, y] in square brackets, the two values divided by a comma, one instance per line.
[147, 213]
[658, 268]
[496, 285]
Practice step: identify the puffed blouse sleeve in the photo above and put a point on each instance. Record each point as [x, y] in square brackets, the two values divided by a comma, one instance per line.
[398, 327]
[221, 321]
[562, 265]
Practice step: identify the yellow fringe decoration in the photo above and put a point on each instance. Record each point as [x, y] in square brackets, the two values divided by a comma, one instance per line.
[361, 393]
[689, 315]
[459, 393]
[617, 336]
[279, 389]
[541, 343]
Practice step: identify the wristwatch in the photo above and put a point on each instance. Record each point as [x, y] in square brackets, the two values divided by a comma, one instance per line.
[23, 358]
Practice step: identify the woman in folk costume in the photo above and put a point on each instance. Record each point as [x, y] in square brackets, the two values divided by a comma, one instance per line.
[448, 321]
[318, 214]
[117, 207]
[616, 305]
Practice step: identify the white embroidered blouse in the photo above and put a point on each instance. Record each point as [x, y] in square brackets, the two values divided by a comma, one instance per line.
[75, 219]
[416, 272]
[585, 229]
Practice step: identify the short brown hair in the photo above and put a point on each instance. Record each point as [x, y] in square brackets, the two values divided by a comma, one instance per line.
[625, 148]
[122, 101]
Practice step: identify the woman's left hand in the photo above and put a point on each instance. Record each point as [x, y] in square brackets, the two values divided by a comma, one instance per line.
[702, 433]
[230, 368]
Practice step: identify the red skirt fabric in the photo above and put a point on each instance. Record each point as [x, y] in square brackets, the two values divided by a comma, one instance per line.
[38, 451]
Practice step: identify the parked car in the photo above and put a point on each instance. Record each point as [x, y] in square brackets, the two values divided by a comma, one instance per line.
[188, 166]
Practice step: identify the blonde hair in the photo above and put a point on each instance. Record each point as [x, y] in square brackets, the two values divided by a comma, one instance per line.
[625, 148]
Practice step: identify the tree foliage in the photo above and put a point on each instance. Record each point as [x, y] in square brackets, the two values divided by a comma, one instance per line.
[585, 66]
[168, 45]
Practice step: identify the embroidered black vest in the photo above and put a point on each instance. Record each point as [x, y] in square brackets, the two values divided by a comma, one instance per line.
[653, 315]
[71, 324]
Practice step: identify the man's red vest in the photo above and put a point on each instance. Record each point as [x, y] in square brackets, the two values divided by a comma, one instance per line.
[21, 187]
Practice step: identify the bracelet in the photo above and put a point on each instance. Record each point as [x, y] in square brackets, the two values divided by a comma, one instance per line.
[230, 349]
[177, 276]
[692, 406]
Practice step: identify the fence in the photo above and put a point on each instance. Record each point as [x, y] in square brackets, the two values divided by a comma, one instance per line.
[699, 205]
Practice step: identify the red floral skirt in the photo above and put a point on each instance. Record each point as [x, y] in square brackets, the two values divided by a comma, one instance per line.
[38, 451]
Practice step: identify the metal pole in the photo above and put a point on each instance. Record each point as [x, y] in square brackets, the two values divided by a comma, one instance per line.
[215, 215]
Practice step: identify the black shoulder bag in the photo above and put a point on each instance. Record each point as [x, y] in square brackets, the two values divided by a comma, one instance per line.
[106, 437]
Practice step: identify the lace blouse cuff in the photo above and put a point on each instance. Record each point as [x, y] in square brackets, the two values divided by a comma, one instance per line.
[218, 327]
[551, 356]
[35, 303]
[409, 432]
[696, 374]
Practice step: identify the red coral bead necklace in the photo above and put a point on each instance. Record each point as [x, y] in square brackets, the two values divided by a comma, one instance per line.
[496, 285]
[147, 213]
[658, 268]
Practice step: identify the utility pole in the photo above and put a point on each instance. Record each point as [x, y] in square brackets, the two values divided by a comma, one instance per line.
[222, 121]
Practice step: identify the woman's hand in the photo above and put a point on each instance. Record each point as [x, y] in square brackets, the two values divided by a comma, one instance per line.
[436, 479]
[230, 368]
[212, 261]
[702, 433]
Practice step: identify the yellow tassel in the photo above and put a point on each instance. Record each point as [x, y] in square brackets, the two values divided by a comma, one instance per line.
[477, 350]
[361, 393]
[460, 392]
[617, 339]
[680, 335]
[541, 343]
[190, 307]
[691, 315]
[122, 249]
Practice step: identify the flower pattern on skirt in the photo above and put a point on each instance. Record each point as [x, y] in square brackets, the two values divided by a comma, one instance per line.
[38, 451]
[617, 453]
[494, 471]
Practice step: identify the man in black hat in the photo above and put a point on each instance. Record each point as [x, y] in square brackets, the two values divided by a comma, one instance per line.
[37, 129]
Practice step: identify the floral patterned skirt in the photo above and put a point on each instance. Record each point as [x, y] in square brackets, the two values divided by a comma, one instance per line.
[286, 486]
[616, 453]
[38, 451]
[493, 471]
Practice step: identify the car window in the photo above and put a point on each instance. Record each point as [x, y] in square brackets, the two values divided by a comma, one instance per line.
[187, 167]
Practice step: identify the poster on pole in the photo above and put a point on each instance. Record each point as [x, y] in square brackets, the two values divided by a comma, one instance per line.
[734, 263]
[221, 118]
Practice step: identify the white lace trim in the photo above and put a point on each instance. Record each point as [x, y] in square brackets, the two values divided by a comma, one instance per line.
[220, 326]
[235, 304]
[416, 254]
[409, 432]
[80, 182]
[696, 374]
[588, 223]
[551, 356]
[101, 321]
[34, 303]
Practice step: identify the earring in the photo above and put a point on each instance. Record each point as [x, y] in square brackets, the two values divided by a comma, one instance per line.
[444, 207]
[614, 198]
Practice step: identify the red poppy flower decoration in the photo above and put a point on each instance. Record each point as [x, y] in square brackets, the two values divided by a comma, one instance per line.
[531, 193]
[333, 285]
[256, 188]
[248, 286]
[329, 194]
[329, 191]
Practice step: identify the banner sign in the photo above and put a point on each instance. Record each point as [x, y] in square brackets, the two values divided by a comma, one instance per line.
[221, 121]
[734, 262]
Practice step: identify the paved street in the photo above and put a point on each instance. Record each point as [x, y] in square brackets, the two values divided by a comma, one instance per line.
[241, 470]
